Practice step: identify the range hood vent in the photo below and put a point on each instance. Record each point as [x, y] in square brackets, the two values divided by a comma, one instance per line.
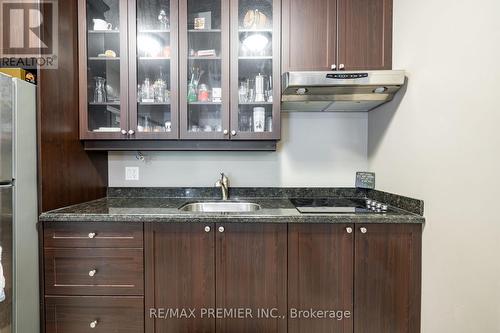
[354, 91]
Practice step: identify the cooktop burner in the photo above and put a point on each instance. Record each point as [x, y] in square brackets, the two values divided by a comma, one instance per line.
[338, 206]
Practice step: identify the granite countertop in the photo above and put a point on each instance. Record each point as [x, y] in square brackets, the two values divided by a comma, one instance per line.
[123, 205]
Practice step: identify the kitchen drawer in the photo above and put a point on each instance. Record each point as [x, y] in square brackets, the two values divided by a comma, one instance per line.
[94, 272]
[89, 234]
[90, 314]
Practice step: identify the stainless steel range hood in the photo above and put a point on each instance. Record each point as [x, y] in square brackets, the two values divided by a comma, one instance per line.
[345, 91]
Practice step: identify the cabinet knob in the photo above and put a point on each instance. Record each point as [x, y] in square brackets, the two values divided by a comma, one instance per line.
[207, 229]
[363, 230]
[93, 324]
[334, 67]
[93, 272]
[341, 67]
[226, 132]
[124, 132]
[92, 235]
[221, 229]
[131, 132]
[233, 133]
[349, 230]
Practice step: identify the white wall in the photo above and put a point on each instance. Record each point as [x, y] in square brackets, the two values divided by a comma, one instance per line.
[442, 144]
[317, 149]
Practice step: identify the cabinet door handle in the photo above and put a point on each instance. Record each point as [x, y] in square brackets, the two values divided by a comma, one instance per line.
[221, 229]
[124, 132]
[93, 272]
[363, 230]
[341, 67]
[334, 67]
[207, 229]
[233, 133]
[131, 132]
[226, 132]
[349, 230]
[93, 324]
[92, 235]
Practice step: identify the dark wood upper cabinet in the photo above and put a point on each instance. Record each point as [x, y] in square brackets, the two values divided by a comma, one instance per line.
[255, 69]
[337, 35]
[103, 69]
[180, 273]
[251, 274]
[160, 70]
[320, 275]
[204, 67]
[365, 34]
[309, 35]
[387, 278]
[153, 69]
[128, 69]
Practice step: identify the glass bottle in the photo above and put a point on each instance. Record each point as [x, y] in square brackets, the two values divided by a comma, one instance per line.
[160, 89]
[100, 95]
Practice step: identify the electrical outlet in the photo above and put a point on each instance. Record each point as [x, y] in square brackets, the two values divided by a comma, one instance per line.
[131, 173]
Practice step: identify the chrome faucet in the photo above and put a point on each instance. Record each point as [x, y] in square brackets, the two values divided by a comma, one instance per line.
[223, 183]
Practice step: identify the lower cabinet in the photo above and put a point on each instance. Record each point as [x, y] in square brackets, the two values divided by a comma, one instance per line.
[88, 314]
[180, 275]
[369, 275]
[93, 277]
[320, 277]
[233, 276]
[387, 275]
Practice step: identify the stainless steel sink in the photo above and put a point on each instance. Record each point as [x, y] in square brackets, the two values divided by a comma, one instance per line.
[221, 207]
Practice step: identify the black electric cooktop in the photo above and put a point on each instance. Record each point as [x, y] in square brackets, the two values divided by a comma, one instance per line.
[337, 206]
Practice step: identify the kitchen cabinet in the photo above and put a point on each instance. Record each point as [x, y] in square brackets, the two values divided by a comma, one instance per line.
[372, 271]
[255, 69]
[165, 70]
[94, 314]
[204, 68]
[321, 275]
[251, 273]
[104, 68]
[153, 69]
[368, 274]
[180, 274]
[207, 266]
[93, 277]
[309, 35]
[128, 69]
[387, 278]
[337, 35]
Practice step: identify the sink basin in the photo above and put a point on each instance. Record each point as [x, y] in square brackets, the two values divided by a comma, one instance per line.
[221, 207]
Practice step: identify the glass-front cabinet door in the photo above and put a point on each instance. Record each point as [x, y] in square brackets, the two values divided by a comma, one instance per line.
[103, 69]
[255, 71]
[204, 69]
[153, 92]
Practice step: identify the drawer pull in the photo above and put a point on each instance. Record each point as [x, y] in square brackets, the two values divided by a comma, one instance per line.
[93, 324]
[92, 235]
[93, 272]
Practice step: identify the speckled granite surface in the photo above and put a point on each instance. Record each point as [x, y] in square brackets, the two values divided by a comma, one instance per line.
[162, 205]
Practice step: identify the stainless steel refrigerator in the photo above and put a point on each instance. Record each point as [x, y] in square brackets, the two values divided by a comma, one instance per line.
[18, 208]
